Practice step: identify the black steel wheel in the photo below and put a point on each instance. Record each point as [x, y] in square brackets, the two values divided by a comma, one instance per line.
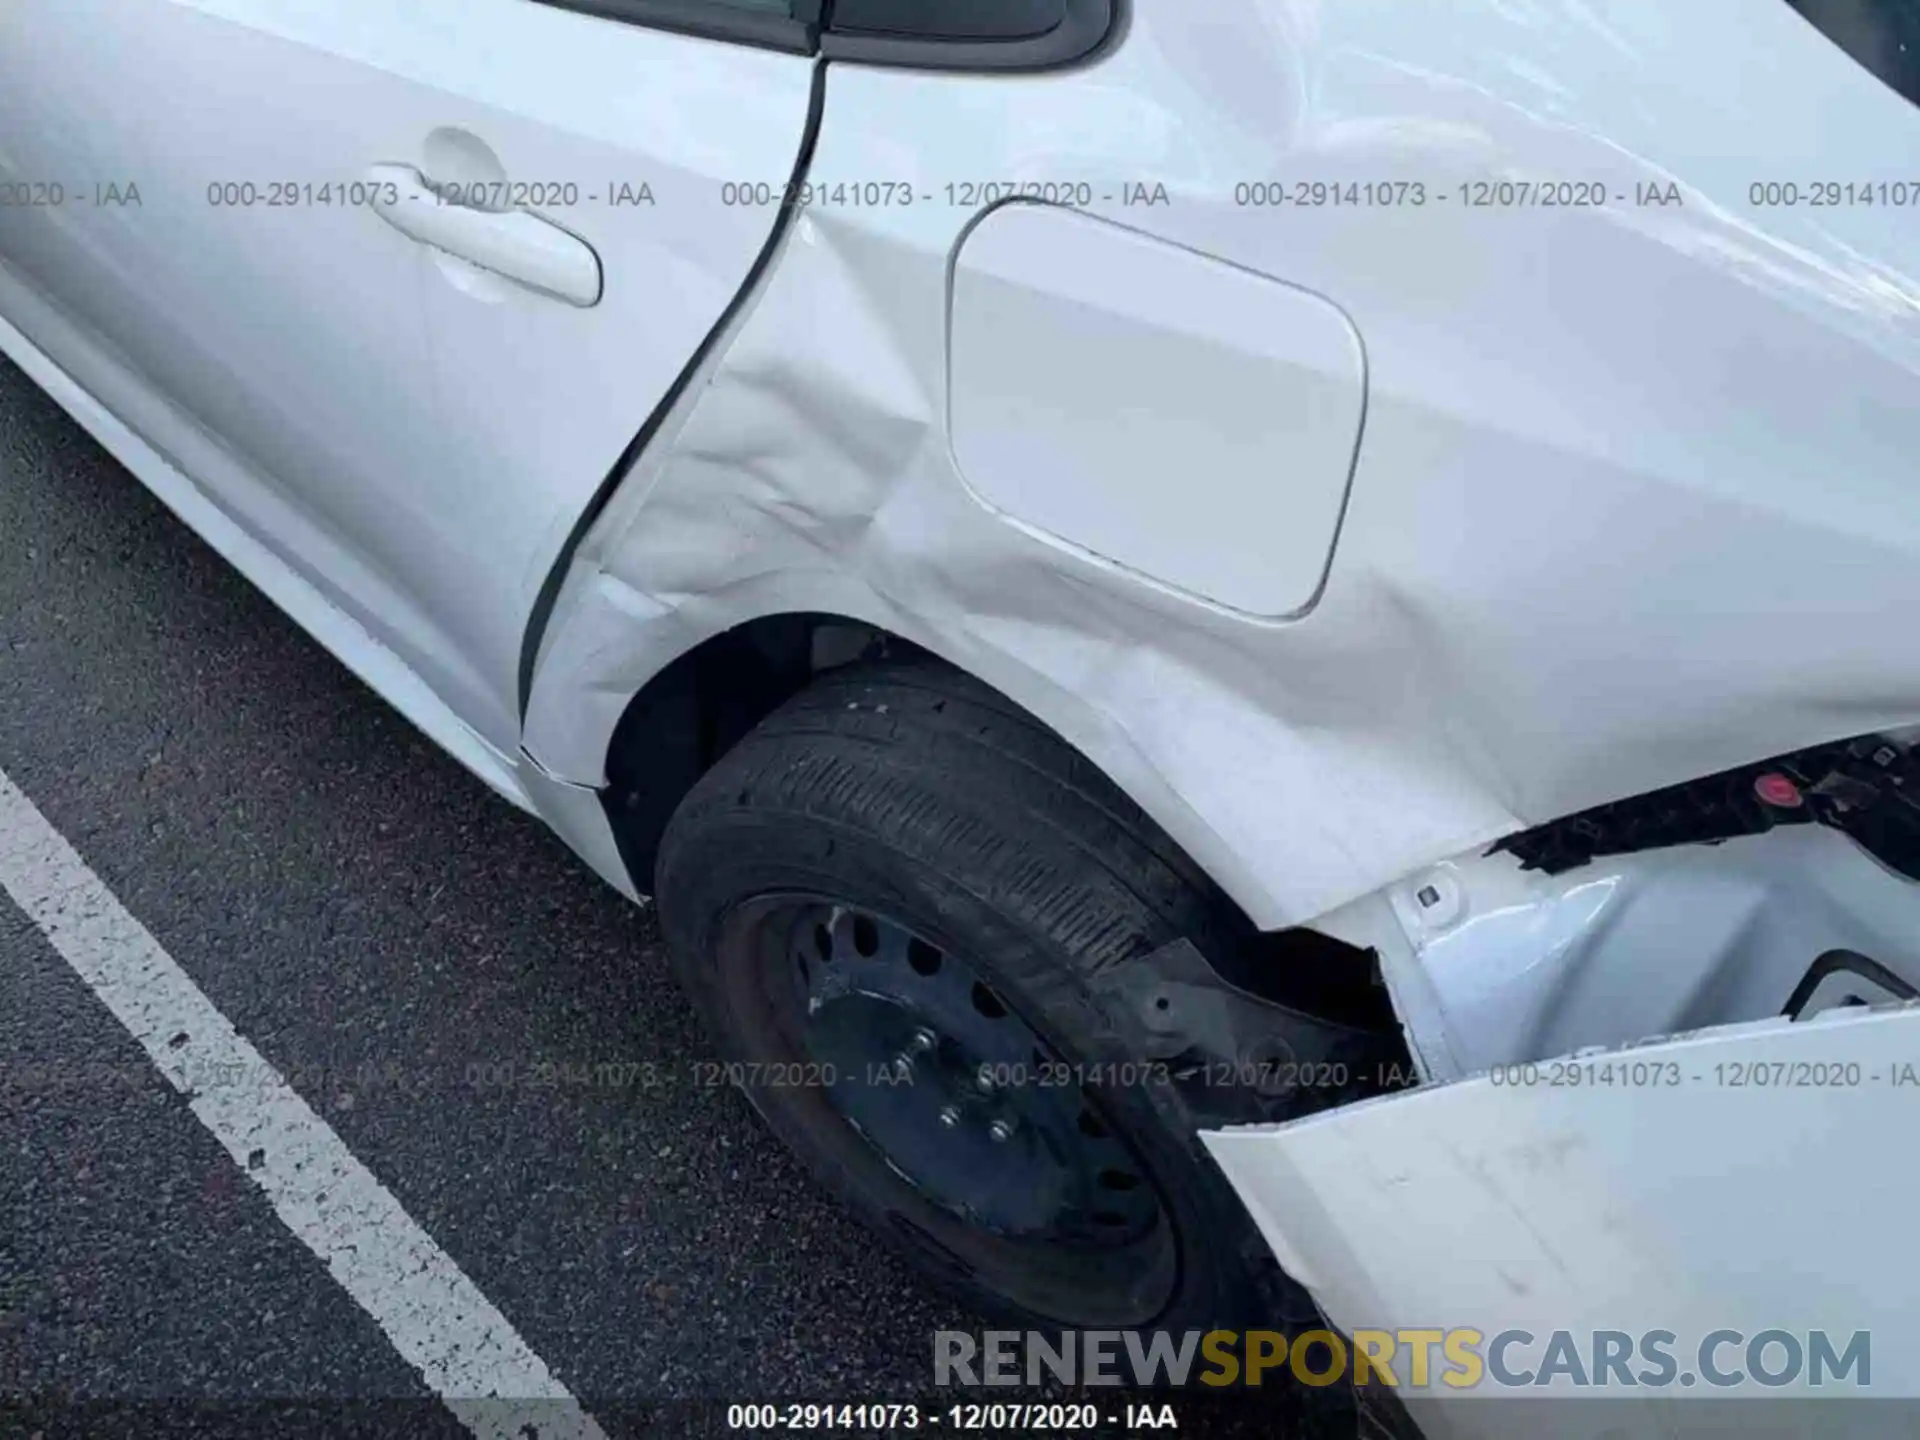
[953, 1087]
[889, 902]
[949, 1088]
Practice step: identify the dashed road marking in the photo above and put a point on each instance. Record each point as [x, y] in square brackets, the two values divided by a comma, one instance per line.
[465, 1350]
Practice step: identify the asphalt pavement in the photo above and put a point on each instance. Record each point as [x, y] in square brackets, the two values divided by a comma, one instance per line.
[489, 1029]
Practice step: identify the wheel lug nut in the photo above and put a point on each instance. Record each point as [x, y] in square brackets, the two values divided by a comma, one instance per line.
[924, 1040]
[1000, 1130]
[950, 1116]
[983, 1080]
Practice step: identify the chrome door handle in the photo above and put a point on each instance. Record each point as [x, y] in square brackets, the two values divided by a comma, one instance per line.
[517, 244]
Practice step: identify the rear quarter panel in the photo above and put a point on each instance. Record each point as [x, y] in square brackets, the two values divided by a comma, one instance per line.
[1632, 500]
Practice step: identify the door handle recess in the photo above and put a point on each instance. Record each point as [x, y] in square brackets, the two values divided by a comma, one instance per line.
[517, 244]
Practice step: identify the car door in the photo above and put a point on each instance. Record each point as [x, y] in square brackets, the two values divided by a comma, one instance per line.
[394, 285]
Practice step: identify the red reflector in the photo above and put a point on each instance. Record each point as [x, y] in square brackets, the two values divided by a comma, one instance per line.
[1777, 790]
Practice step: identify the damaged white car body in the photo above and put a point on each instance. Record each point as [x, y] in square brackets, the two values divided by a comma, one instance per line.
[1567, 510]
[1631, 505]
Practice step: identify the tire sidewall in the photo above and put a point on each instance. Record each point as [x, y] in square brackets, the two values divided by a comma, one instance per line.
[730, 857]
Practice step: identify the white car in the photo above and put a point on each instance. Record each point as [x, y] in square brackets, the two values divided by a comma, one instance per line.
[1120, 571]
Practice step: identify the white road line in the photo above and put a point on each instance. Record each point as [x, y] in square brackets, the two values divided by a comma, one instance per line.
[435, 1316]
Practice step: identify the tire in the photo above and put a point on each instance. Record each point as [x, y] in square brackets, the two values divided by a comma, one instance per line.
[907, 798]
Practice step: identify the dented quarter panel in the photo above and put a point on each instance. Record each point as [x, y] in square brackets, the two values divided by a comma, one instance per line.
[1633, 499]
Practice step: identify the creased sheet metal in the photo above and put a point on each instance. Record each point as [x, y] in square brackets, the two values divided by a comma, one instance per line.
[1633, 496]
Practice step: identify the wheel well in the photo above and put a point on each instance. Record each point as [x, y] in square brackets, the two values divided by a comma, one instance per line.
[699, 706]
[705, 701]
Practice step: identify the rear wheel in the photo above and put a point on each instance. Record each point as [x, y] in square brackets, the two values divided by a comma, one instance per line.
[890, 902]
